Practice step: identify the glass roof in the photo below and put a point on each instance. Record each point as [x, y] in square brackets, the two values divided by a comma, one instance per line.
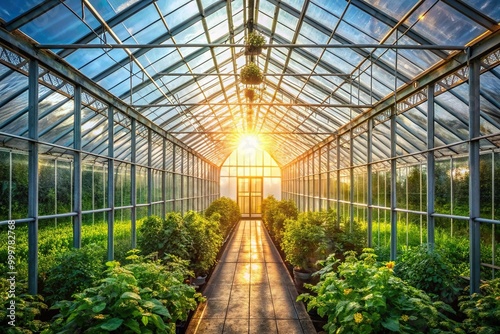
[179, 63]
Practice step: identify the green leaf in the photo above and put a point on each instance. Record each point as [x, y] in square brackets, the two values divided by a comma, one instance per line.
[111, 324]
[161, 310]
[133, 325]
[99, 307]
[391, 324]
[145, 320]
[158, 321]
[130, 295]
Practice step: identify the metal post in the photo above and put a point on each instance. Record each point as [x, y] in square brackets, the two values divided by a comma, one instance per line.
[33, 178]
[133, 181]
[164, 179]
[150, 174]
[474, 190]
[111, 183]
[431, 165]
[369, 198]
[338, 181]
[351, 181]
[183, 195]
[77, 172]
[328, 168]
[174, 179]
[394, 214]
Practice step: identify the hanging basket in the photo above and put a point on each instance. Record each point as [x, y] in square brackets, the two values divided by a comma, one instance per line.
[253, 43]
[251, 50]
[250, 94]
[251, 75]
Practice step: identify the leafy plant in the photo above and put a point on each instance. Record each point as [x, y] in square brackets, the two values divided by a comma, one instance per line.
[364, 296]
[250, 74]
[275, 213]
[167, 236]
[482, 309]
[254, 38]
[303, 242]
[339, 239]
[427, 270]
[254, 43]
[152, 237]
[206, 241]
[229, 213]
[23, 310]
[136, 298]
[76, 270]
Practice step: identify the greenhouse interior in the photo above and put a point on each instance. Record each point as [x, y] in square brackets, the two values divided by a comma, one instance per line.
[250, 166]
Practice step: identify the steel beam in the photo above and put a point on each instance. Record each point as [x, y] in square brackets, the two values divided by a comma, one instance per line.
[394, 214]
[431, 184]
[77, 172]
[111, 182]
[474, 179]
[271, 46]
[33, 178]
[369, 186]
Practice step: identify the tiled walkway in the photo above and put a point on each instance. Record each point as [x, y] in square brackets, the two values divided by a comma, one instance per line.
[250, 290]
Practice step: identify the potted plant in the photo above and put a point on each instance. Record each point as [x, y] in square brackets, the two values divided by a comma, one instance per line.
[253, 43]
[303, 243]
[250, 74]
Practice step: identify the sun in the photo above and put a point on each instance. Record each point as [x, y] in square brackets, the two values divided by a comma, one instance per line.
[249, 142]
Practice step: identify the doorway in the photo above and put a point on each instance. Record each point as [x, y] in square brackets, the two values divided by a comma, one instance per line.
[250, 196]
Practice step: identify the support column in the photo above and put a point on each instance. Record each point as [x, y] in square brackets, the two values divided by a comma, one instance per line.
[164, 179]
[474, 190]
[33, 178]
[431, 165]
[111, 183]
[369, 188]
[150, 175]
[338, 181]
[394, 214]
[133, 181]
[174, 178]
[351, 181]
[77, 171]
[328, 172]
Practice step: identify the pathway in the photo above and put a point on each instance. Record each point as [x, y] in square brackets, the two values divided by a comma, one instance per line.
[250, 290]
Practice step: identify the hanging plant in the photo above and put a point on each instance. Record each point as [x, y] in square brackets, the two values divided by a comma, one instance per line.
[253, 43]
[250, 94]
[251, 75]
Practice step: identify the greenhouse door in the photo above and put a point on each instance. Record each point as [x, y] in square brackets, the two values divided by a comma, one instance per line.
[250, 196]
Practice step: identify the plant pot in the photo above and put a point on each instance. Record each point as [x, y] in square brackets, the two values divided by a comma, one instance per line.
[199, 280]
[253, 50]
[301, 277]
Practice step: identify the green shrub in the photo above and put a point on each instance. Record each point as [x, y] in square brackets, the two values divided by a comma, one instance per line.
[206, 240]
[229, 213]
[304, 241]
[28, 309]
[482, 309]
[427, 270]
[275, 213]
[167, 236]
[151, 237]
[75, 271]
[136, 298]
[364, 296]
